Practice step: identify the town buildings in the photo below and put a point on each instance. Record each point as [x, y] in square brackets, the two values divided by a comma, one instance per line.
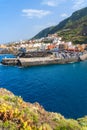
[52, 42]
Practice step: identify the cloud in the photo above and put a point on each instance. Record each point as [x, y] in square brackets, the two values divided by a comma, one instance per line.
[52, 3]
[64, 15]
[31, 13]
[79, 4]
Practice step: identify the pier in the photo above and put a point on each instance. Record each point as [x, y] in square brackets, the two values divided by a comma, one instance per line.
[9, 61]
[25, 62]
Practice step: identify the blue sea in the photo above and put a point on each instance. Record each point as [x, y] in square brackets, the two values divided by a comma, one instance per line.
[58, 88]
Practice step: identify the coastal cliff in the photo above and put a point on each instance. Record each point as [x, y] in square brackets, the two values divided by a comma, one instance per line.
[15, 114]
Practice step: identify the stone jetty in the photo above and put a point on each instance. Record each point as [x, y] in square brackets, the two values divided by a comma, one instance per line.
[9, 61]
[25, 62]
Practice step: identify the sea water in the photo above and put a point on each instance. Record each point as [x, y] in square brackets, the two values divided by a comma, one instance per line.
[58, 88]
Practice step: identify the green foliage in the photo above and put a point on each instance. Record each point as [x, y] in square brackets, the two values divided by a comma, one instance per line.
[45, 127]
[15, 114]
[72, 29]
[76, 31]
[83, 121]
[68, 125]
[35, 118]
[9, 125]
[6, 97]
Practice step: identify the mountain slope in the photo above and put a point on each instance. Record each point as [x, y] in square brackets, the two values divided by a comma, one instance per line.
[15, 114]
[72, 29]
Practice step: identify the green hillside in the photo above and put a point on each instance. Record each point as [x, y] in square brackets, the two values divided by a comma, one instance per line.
[15, 114]
[72, 29]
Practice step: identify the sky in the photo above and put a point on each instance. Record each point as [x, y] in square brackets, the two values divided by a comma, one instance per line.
[22, 19]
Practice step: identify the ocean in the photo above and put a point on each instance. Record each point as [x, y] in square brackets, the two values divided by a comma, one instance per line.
[58, 88]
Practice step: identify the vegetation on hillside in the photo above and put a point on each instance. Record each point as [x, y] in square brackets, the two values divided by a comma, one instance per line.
[15, 114]
[72, 29]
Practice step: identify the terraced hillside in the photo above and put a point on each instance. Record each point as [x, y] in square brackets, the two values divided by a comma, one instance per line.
[72, 29]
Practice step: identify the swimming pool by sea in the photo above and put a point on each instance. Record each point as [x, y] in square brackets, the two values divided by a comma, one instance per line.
[58, 88]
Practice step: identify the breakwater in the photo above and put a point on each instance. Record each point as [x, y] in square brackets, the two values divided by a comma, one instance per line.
[37, 61]
[9, 61]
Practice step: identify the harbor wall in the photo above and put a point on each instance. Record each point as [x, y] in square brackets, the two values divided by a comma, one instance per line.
[24, 63]
[37, 61]
[9, 61]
